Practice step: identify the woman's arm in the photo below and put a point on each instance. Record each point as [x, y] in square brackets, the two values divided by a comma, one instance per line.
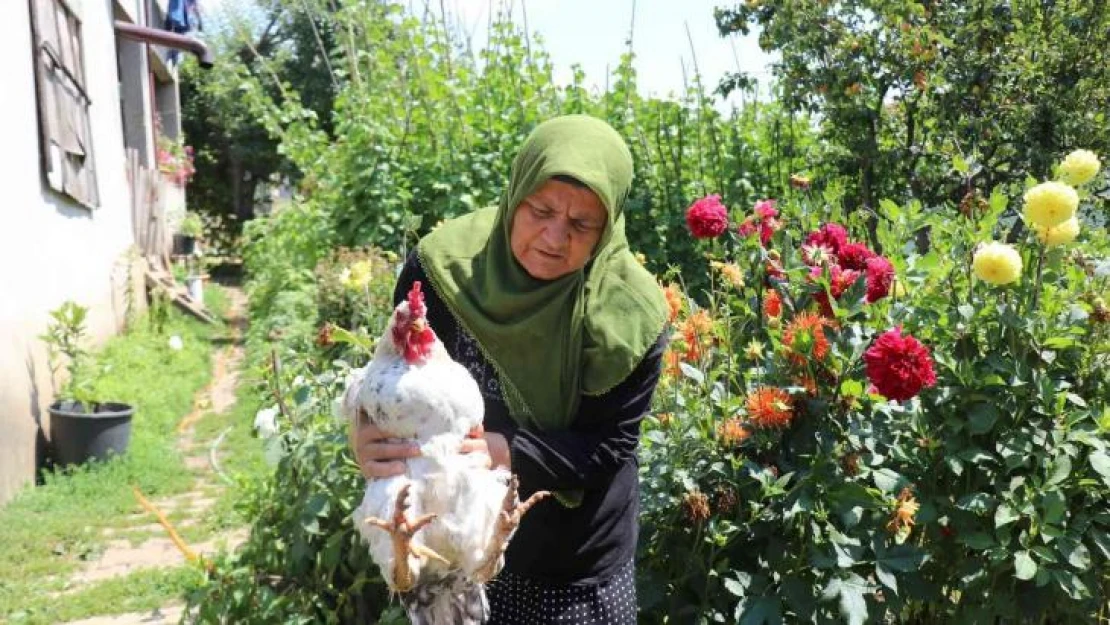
[600, 442]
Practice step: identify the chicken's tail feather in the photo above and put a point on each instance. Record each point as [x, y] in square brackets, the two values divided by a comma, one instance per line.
[452, 599]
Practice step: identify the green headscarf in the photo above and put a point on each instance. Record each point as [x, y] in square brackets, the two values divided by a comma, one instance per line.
[551, 341]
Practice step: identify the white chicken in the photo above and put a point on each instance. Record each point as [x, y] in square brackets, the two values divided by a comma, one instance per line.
[448, 519]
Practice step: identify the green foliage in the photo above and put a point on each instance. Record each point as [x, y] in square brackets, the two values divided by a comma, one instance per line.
[191, 225]
[1001, 467]
[426, 131]
[63, 337]
[907, 91]
[46, 532]
[304, 561]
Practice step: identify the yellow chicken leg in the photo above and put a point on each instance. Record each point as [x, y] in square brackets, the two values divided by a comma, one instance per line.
[401, 529]
[507, 522]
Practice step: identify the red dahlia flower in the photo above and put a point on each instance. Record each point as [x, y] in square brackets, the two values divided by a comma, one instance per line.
[707, 218]
[899, 366]
[855, 256]
[880, 277]
[831, 235]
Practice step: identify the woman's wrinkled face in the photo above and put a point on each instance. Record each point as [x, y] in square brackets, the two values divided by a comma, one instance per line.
[554, 230]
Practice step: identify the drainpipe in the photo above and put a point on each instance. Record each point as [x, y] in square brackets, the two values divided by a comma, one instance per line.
[128, 30]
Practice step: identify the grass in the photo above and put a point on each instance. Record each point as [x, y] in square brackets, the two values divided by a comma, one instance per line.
[48, 532]
[141, 591]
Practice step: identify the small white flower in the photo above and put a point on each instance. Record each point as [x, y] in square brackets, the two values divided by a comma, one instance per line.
[265, 421]
[176, 343]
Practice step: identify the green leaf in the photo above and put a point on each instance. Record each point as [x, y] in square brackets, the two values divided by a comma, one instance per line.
[886, 577]
[1024, 566]
[1101, 462]
[1102, 541]
[959, 164]
[1005, 514]
[979, 503]
[738, 586]
[1053, 506]
[850, 591]
[1080, 556]
[692, 372]
[981, 418]
[979, 541]
[759, 611]
[1061, 469]
[887, 480]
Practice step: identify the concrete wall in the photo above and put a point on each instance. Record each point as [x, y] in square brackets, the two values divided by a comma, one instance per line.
[51, 249]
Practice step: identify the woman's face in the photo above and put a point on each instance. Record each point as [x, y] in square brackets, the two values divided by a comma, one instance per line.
[555, 230]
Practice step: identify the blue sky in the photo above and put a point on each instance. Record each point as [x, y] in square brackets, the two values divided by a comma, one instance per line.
[592, 33]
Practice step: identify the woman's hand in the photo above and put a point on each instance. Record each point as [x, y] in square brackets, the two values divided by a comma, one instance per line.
[377, 457]
[493, 445]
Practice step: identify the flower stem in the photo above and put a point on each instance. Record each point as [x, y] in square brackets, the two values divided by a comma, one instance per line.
[1037, 284]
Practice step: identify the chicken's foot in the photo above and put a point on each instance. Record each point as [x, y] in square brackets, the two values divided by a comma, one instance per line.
[512, 510]
[401, 529]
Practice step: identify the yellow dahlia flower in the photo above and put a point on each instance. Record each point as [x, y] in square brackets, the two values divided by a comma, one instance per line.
[1058, 235]
[997, 263]
[1079, 167]
[1050, 204]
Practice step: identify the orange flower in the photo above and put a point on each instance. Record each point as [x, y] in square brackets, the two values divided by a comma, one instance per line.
[696, 333]
[805, 336]
[731, 272]
[731, 432]
[772, 304]
[904, 510]
[674, 301]
[671, 358]
[770, 407]
[700, 323]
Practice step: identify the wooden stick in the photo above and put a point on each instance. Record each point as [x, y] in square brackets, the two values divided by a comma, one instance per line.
[189, 554]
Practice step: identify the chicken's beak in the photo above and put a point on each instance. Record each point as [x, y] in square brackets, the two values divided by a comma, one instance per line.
[419, 325]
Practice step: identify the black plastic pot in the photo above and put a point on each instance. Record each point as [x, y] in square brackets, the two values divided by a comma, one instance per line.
[80, 436]
[184, 245]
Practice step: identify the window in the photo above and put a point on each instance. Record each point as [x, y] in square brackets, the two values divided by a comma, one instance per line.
[63, 101]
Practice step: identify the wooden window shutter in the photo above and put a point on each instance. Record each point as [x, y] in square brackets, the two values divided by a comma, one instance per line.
[63, 101]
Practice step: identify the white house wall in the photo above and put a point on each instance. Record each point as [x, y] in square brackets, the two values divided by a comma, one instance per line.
[52, 250]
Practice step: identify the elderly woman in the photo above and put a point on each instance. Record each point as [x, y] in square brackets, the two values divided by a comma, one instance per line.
[540, 298]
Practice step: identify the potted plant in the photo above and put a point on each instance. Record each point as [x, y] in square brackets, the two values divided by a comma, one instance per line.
[188, 232]
[82, 427]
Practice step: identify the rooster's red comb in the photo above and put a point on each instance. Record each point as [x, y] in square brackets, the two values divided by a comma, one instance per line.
[416, 301]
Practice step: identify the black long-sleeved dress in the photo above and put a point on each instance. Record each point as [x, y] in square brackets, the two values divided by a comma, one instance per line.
[568, 565]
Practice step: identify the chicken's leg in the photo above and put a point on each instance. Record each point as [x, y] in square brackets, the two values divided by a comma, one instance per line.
[512, 510]
[402, 530]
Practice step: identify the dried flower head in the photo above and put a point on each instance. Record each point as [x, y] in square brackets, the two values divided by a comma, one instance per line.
[695, 507]
[725, 500]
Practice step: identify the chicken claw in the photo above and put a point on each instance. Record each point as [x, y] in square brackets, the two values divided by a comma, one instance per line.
[402, 530]
[512, 510]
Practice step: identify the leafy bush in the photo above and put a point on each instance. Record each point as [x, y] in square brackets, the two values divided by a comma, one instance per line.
[780, 484]
[304, 561]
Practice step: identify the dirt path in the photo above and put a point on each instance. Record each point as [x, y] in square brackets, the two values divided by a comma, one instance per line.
[123, 556]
